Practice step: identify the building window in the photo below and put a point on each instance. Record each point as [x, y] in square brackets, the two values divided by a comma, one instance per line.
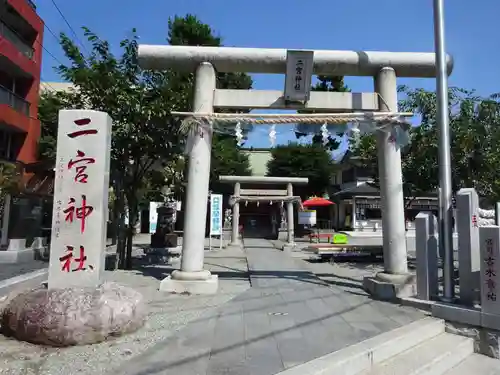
[373, 213]
[348, 175]
[10, 144]
[364, 173]
[5, 143]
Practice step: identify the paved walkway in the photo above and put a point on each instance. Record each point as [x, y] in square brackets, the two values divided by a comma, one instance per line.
[288, 317]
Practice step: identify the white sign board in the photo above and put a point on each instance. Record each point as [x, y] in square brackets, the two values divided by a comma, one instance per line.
[215, 214]
[77, 248]
[490, 269]
[307, 217]
[153, 216]
[299, 70]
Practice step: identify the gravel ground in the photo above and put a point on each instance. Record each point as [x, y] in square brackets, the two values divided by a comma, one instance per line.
[168, 313]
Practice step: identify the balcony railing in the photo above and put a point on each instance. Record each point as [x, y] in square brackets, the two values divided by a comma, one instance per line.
[13, 37]
[14, 101]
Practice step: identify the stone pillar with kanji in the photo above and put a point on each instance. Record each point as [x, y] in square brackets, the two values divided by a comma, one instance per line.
[77, 249]
[469, 257]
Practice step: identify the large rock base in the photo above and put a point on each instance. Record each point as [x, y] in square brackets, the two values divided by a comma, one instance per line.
[72, 316]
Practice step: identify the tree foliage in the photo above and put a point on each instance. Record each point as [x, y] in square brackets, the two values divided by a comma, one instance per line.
[145, 136]
[297, 160]
[226, 157]
[10, 181]
[147, 147]
[227, 160]
[49, 105]
[475, 147]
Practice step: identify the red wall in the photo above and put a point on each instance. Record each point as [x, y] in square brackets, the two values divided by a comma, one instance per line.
[29, 124]
[28, 13]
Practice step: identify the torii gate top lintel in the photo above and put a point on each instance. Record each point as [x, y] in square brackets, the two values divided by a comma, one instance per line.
[273, 60]
[265, 180]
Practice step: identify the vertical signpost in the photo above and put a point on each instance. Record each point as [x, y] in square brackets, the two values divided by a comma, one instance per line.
[216, 218]
[469, 257]
[299, 70]
[490, 271]
[153, 216]
[81, 189]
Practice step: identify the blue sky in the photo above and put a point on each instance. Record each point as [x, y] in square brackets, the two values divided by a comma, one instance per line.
[384, 25]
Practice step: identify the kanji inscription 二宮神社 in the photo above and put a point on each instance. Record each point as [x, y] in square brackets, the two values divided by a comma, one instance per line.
[77, 249]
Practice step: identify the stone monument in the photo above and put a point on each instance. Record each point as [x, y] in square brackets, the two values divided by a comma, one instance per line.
[78, 307]
[490, 276]
[164, 236]
[80, 199]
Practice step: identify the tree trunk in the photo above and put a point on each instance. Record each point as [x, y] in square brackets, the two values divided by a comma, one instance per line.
[132, 221]
[3, 195]
[115, 224]
[120, 230]
[130, 240]
[121, 242]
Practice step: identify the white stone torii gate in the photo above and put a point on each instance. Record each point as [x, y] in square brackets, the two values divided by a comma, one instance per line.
[288, 197]
[383, 66]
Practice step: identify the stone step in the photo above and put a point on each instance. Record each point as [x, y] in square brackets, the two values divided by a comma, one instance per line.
[365, 355]
[432, 357]
[476, 364]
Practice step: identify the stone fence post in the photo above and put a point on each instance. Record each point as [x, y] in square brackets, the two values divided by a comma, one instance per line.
[427, 254]
[468, 245]
[490, 275]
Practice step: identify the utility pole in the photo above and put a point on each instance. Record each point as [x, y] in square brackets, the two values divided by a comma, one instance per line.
[445, 185]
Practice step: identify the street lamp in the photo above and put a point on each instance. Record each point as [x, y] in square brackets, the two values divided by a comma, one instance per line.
[445, 186]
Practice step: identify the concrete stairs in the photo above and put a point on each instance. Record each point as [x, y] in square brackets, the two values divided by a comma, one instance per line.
[422, 347]
[476, 364]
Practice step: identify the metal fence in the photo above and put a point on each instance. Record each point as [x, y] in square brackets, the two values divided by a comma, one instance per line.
[16, 102]
[17, 41]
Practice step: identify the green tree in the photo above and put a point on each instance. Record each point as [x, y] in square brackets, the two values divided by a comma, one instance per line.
[324, 84]
[10, 181]
[191, 31]
[297, 160]
[227, 158]
[474, 125]
[145, 136]
[49, 105]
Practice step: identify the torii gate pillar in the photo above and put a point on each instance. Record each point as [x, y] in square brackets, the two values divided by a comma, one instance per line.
[395, 281]
[192, 278]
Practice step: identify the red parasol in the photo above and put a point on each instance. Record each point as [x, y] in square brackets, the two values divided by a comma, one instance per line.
[317, 202]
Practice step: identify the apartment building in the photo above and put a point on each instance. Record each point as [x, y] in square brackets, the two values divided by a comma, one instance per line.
[21, 33]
